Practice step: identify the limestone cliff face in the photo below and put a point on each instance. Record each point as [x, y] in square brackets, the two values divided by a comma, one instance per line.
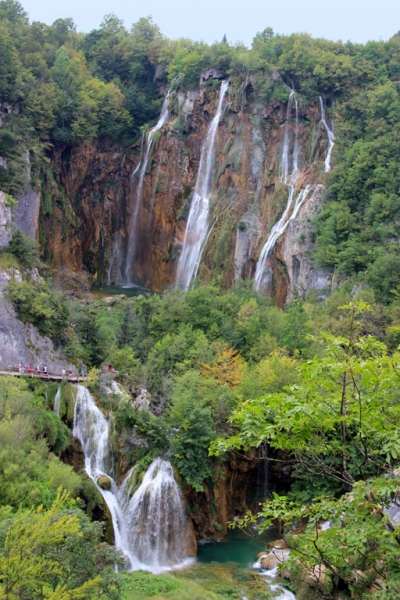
[294, 250]
[21, 343]
[5, 222]
[90, 195]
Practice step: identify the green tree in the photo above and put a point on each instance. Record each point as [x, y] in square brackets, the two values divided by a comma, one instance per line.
[38, 559]
[339, 420]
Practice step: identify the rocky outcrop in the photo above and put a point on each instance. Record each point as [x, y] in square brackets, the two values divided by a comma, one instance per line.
[21, 343]
[296, 247]
[211, 509]
[104, 482]
[5, 222]
[26, 214]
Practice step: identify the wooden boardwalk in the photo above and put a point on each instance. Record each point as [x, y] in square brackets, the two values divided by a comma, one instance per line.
[45, 376]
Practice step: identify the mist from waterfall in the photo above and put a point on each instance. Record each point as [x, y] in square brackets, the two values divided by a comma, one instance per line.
[288, 171]
[150, 525]
[330, 134]
[197, 225]
[141, 168]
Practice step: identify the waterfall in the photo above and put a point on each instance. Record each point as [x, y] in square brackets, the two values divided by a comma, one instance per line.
[141, 168]
[330, 134]
[57, 400]
[287, 176]
[150, 526]
[197, 225]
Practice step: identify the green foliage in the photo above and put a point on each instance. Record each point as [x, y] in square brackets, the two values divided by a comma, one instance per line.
[29, 473]
[24, 249]
[140, 585]
[338, 421]
[360, 546]
[189, 444]
[36, 303]
[41, 556]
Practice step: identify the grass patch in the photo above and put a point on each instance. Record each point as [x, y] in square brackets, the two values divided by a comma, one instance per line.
[8, 261]
[140, 585]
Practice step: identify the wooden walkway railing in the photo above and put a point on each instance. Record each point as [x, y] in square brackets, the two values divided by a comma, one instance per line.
[45, 376]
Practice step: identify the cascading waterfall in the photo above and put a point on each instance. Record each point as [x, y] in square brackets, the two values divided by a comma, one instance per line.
[158, 504]
[197, 225]
[288, 177]
[330, 134]
[150, 526]
[57, 401]
[141, 168]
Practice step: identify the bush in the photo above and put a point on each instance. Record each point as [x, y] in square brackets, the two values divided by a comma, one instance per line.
[24, 248]
[36, 303]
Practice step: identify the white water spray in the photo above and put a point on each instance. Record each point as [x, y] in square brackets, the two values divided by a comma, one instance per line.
[57, 401]
[288, 177]
[150, 526]
[141, 168]
[197, 225]
[330, 134]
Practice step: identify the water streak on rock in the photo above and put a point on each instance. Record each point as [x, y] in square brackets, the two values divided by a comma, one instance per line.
[141, 168]
[197, 225]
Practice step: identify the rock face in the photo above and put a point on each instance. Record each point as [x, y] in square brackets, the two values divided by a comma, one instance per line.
[5, 222]
[273, 559]
[26, 215]
[211, 510]
[21, 343]
[295, 248]
[90, 196]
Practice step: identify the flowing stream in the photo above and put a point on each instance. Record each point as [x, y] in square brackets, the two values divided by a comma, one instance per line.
[197, 225]
[150, 525]
[141, 168]
[330, 134]
[288, 172]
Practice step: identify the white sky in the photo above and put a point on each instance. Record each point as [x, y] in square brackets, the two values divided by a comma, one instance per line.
[208, 20]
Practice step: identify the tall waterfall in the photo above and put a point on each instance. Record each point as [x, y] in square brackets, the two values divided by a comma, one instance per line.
[197, 225]
[330, 134]
[150, 526]
[288, 172]
[141, 168]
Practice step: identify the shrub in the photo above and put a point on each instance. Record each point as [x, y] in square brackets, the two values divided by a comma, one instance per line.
[36, 303]
[24, 248]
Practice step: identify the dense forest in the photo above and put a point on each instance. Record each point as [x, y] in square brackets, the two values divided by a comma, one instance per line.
[312, 387]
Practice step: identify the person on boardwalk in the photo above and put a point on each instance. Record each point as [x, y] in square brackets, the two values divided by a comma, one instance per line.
[30, 370]
[63, 373]
[82, 373]
[19, 368]
[38, 370]
[45, 371]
